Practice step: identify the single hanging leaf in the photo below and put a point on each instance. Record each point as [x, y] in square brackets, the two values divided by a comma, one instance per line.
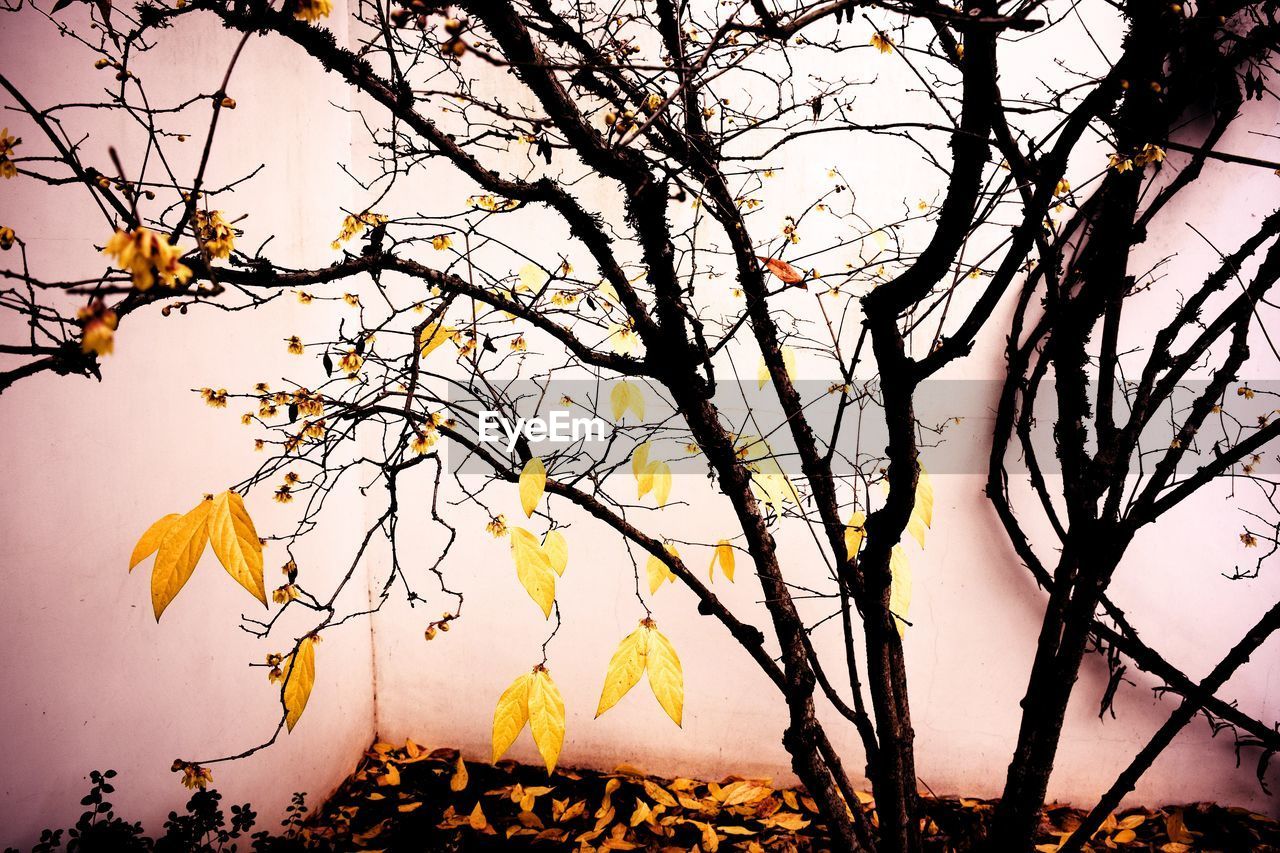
[644, 481]
[476, 820]
[922, 511]
[625, 668]
[723, 555]
[236, 543]
[640, 460]
[556, 547]
[900, 588]
[178, 554]
[661, 474]
[151, 540]
[511, 714]
[763, 377]
[666, 679]
[300, 676]
[533, 482]
[786, 273]
[459, 780]
[658, 571]
[433, 335]
[533, 567]
[854, 532]
[546, 717]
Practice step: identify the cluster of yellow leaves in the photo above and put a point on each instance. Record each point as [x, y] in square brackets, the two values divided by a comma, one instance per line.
[899, 566]
[636, 812]
[539, 564]
[769, 482]
[651, 475]
[532, 699]
[146, 255]
[645, 651]
[353, 225]
[178, 541]
[216, 234]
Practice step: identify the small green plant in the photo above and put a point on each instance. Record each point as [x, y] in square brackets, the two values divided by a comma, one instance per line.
[203, 828]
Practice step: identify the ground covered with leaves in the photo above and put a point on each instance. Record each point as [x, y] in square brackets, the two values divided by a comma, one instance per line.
[412, 798]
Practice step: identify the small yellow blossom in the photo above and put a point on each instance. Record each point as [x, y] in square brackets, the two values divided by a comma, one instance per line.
[1119, 163]
[193, 775]
[497, 526]
[441, 242]
[284, 594]
[882, 42]
[312, 10]
[304, 297]
[215, 233]
[145, 254]
[295, 345]
[351, 299]
[422, 441]
[518, 344]
[351, 362]
[353, 225]
[7, 237]
[98, 335]
[8, 168]
[284, 494]
[216, 399]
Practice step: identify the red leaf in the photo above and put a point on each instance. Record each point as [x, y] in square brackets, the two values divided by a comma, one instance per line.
[783, 270]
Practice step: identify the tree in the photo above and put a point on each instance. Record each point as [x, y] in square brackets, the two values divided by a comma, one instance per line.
[641, 132]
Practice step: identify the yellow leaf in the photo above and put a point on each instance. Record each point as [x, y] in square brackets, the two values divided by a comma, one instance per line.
[300, 677]
[236, 543]
[556, 547]
[476, 819]
[533, 567]
[854, 532]
[763, 377]
[640, 460]
[1124, 836]
[510, 715]
[546, 717]
[658, 572]
[151, 540]
[180, 550]
[1176, 828]
[459, 780]
[661, 473]
[626, 396]
[900, 589]
[533, 481]
[433, 335]
[666, 679]
[725, 557]
[625, 668]
[532, 276]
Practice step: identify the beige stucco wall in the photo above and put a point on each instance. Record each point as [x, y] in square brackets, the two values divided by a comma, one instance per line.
[90, 681]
